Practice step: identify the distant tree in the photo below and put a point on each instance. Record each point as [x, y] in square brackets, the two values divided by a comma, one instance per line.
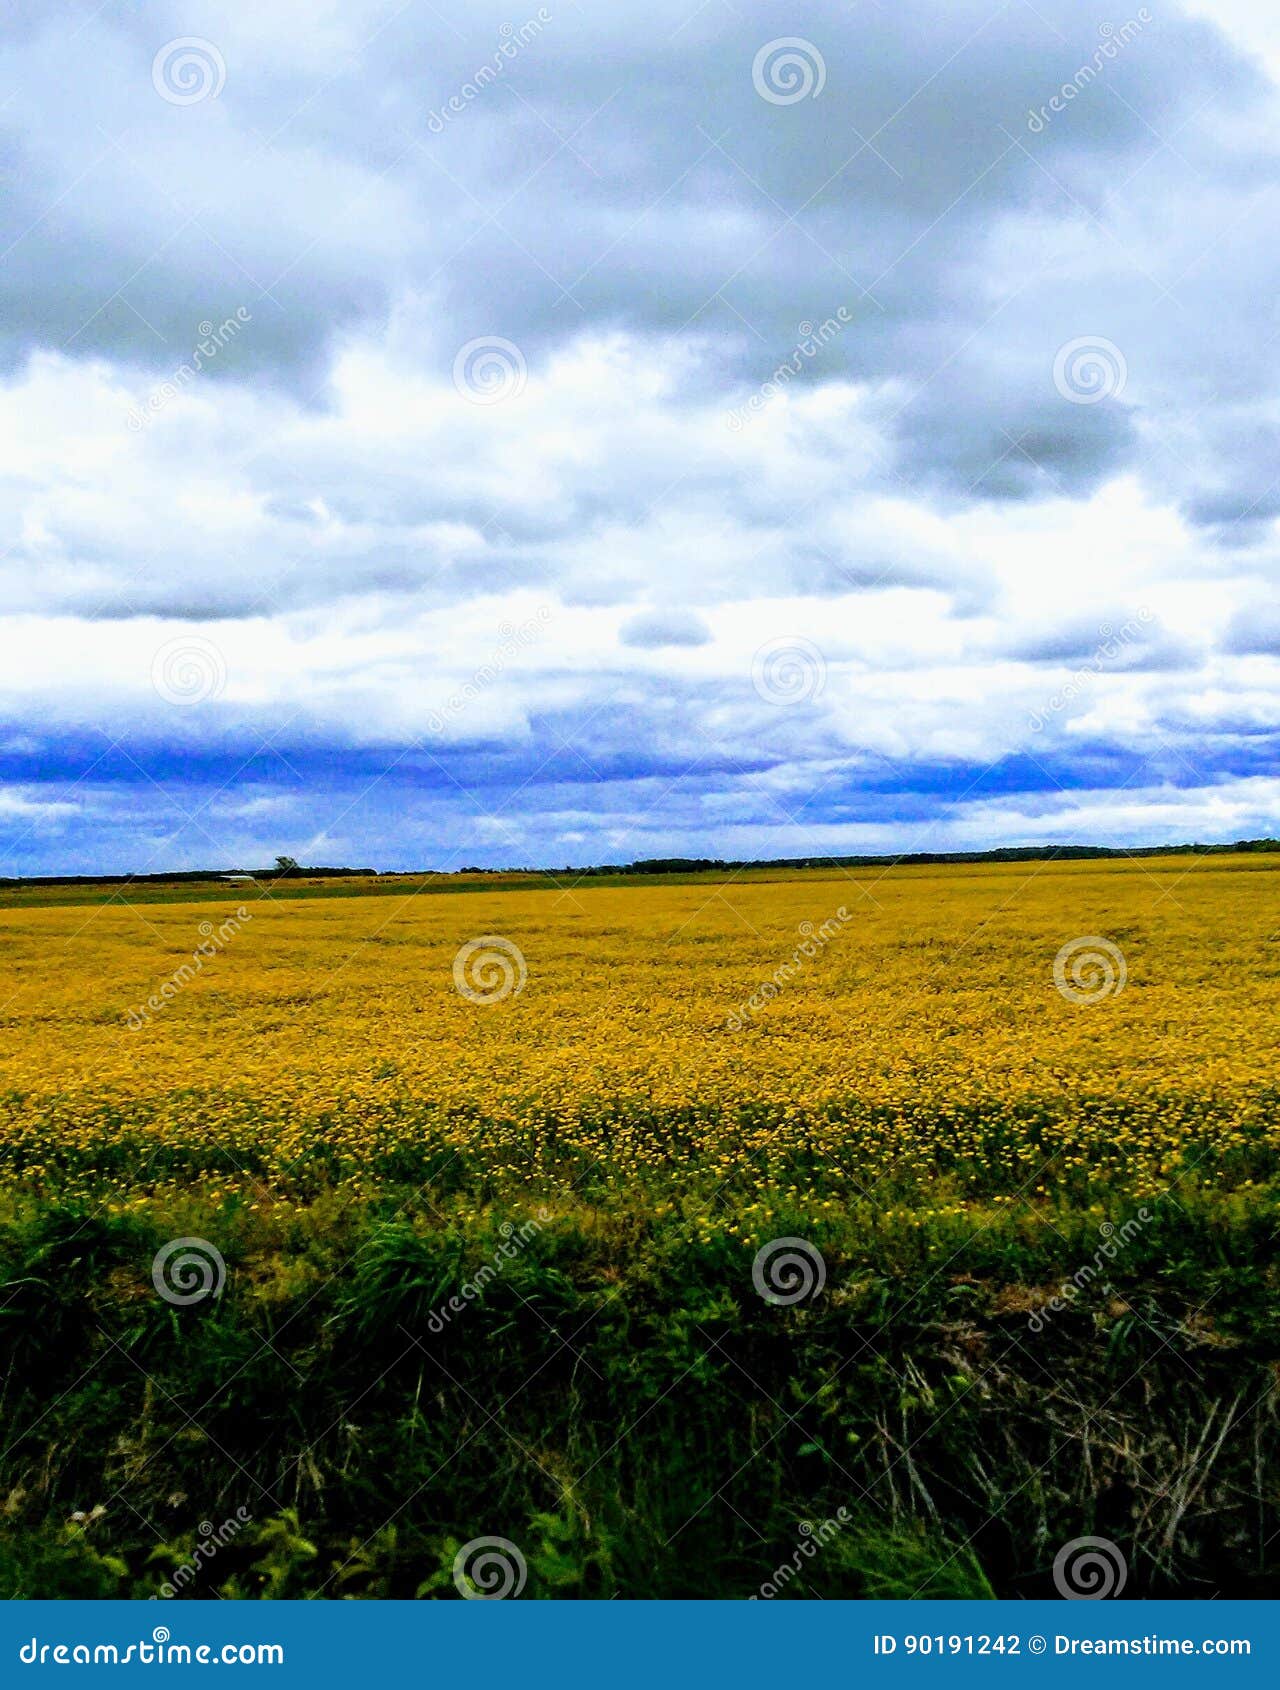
[287, 865]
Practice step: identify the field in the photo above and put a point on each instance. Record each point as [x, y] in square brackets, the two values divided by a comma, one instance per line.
[334, 1242]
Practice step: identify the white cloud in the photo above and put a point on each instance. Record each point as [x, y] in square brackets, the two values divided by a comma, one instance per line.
[345, 532]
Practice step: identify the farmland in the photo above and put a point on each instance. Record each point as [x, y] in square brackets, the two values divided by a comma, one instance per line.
[485, 1188]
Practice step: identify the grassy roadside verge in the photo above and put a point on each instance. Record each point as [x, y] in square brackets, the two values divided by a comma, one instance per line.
[378, 1384]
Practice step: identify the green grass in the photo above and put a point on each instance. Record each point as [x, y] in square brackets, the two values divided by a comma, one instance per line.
[621, 1404]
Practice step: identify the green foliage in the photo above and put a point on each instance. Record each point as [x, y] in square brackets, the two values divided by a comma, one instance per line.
[905, 1562]
[613, 1396]
[59, 1564]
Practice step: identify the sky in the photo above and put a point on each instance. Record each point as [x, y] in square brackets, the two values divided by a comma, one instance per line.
[436, 434]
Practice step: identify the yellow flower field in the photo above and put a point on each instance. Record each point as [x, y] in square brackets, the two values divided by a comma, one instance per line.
[814, 1039]
[633, 1224]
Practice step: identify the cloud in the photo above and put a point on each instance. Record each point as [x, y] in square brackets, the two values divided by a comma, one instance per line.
[970, 396]
[651, 630]
[1254, 630]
